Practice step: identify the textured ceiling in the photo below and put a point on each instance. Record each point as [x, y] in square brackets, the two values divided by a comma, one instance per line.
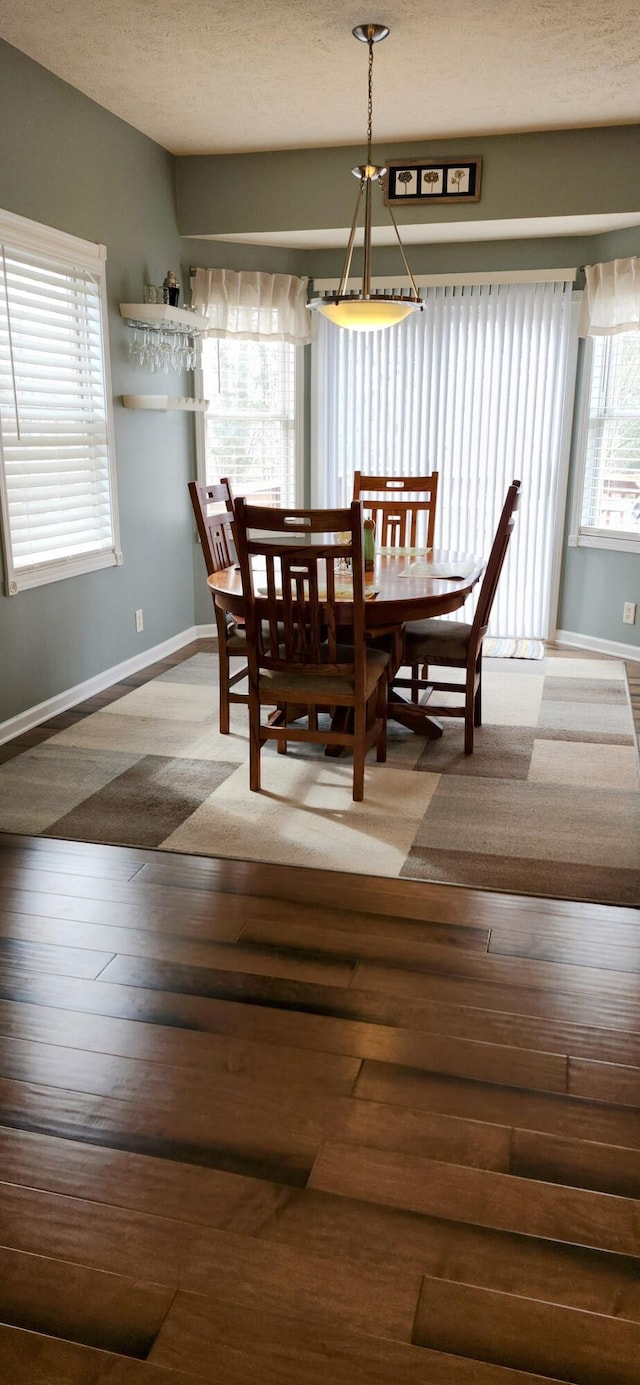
[207, 77]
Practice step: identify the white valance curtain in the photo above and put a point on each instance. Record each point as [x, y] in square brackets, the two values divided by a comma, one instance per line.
[611, 299]
[253, 306]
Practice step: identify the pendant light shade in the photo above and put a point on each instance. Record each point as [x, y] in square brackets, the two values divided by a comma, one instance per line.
[366, 311]
[366, 314]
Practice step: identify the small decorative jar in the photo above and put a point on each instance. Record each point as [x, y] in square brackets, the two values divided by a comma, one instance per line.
[173, 289]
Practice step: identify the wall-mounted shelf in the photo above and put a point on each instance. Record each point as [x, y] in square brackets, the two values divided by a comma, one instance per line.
[164, 401]
[162, 315]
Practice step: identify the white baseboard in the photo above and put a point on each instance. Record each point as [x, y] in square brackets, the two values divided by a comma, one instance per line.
[16, 726]
[611, 647]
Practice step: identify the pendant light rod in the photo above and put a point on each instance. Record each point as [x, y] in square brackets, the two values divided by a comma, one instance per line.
[394, 223]
[364, 311]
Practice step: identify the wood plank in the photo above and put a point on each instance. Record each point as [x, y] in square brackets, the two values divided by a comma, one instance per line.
[467, 1058]
[81, 962]
[376, 894]
[357, 936]
[327, 1224]
[64, 1300]
[592, 947]
[324, 1018]
[519, 972]
[202, 1333]
[246, 1129]
[219, 924]
[139, 1182]
[480, 1197]
[319, 924]
[556, 1115]
[585, 1348]
[268, 1053]
[65, 848]
[242, 1131]
[28, 1358]
[258, 1273]
[579, 1163]
[51, 856]
[604, 1082]
[160, 1084]
[117, 937]
[249, 961]
[610, 1008]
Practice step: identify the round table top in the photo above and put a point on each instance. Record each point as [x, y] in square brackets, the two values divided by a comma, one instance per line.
[400, 595]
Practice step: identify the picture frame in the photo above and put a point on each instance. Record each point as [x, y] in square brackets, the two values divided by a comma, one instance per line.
[432, 180]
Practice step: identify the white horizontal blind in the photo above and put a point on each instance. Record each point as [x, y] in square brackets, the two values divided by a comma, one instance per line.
[611, 490]
[474, 388]
[250, 424]
[58, 506]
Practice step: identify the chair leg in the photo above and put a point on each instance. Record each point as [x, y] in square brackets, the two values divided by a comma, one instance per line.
[223, 676]
[477, 710]
[469, 706]
[255, 746]
[358, 753]
[381, 713]
[282, 745]
[415, 691]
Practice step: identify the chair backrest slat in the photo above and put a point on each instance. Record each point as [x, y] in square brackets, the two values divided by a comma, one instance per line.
[496, 560]
[291, 562]
[396, 504]
[214, 520]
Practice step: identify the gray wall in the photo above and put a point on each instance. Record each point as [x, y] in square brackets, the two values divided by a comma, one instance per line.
[66, 162]
[554, 173]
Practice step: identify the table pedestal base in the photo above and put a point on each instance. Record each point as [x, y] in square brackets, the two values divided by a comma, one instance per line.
[413, 715]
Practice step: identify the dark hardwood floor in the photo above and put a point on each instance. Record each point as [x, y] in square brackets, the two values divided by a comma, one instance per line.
[269, 1125]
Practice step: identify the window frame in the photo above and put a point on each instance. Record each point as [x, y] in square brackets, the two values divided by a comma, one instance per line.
[65, 249]
[298, 422]
[591, 536]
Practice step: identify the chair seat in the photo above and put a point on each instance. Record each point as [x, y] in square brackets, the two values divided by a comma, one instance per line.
[296, 687]
[427, 641]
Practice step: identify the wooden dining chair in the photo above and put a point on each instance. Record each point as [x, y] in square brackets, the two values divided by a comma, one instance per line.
[294, 655]
[454, 644]
[399, 505]
[213, 510]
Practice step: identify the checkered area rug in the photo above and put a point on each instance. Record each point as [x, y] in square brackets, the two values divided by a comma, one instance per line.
[548, 804]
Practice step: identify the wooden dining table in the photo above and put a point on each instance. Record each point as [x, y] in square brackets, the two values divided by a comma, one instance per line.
[403, 587]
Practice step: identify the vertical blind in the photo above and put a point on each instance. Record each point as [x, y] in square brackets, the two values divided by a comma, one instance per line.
[474, 387]
[54, 437]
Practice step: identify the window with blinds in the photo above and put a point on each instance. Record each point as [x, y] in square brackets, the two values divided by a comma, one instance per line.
[57, 478]
[250, 427]
[609, 512]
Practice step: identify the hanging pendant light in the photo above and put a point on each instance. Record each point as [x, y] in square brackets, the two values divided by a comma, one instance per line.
[366, 311]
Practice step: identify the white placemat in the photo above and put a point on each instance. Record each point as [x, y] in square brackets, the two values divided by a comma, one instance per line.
[454, 572]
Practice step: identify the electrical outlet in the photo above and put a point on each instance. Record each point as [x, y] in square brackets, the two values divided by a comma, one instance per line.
[139, 623]
[629, 613]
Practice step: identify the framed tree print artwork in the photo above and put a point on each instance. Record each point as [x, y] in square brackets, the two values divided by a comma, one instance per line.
[433, 180]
